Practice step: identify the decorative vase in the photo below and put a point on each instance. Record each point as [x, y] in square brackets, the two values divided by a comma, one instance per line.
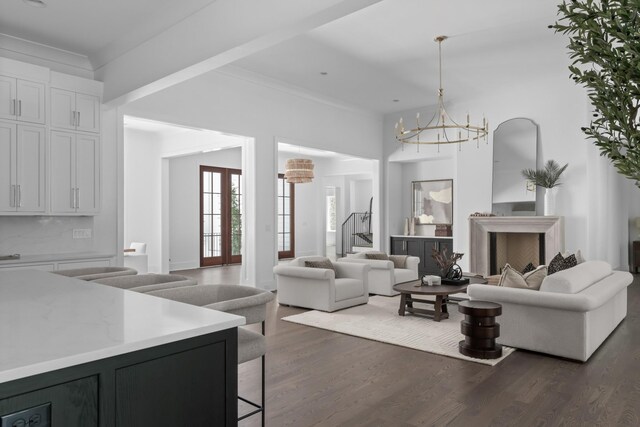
[412, 226]
[406, 226]
[550, 201]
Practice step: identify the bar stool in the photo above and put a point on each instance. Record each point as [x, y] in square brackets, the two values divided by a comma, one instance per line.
[93, 273]
[242, 301]
[147, 282]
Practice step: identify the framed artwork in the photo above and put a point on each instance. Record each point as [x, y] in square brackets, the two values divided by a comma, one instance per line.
[433, 201]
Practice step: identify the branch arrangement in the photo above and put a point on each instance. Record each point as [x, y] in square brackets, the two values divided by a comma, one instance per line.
[604, 45]
[445, 261]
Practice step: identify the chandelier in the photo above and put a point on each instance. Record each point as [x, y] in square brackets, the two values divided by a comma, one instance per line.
[298, 171]
[441, 129]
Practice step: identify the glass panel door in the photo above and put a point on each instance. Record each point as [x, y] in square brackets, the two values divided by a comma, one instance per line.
[211, 209]
[220, 216]
[286, 218]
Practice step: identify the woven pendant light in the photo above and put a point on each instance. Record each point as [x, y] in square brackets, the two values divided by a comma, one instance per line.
[299, 171]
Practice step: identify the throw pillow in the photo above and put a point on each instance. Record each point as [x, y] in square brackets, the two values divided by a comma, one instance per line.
[529, 267]
[399, 261]
[376, 255]
[579, 258]
[324, 263]
[559, 263]
[512, 278]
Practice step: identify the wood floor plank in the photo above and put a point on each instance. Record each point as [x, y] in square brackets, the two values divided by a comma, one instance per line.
[321, 378]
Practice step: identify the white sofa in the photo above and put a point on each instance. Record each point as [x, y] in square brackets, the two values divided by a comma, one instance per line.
[574, 311]
[320, 288]
[383, 275]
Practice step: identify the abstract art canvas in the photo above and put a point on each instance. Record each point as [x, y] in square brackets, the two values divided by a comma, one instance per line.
[433, 201]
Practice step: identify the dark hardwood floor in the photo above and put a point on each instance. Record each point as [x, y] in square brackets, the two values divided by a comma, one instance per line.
[321, 378]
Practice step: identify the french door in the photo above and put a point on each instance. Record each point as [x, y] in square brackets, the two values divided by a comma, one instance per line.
[220, 216]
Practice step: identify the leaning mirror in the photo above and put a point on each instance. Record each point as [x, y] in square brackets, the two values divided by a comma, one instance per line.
[514, 149]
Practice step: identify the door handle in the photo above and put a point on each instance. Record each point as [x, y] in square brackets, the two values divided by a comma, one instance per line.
[13, 107]
[12, 196]
[73, 198]
[77, 198]
[78, 121]
[73, 118]
[19, 110]
[19, 196]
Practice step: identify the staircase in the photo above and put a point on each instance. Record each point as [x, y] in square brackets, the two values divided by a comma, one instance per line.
[356, 231]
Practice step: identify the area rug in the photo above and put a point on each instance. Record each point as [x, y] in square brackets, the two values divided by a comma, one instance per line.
[379, 321]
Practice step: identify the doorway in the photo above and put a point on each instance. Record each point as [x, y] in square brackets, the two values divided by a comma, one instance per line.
[220, 216]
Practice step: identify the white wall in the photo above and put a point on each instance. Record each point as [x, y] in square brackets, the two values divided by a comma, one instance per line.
[143, 194]
[590, 197]
[232, 105]
[184, 196]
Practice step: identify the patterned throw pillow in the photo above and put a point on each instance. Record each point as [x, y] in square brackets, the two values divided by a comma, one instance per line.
[324, 263]
[559, 263]
[376, 255]
[512, 278]
[529, 267]
[399, 261]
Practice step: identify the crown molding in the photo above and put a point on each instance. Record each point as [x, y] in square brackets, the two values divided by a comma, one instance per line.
[47, 56]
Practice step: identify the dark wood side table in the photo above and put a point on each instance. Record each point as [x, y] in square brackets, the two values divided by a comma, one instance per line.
[480, 329]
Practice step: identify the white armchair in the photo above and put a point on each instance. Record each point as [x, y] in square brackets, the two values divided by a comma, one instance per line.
[383, 275]
[322, 288]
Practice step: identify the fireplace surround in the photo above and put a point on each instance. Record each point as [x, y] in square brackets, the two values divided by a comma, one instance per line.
[552, 227]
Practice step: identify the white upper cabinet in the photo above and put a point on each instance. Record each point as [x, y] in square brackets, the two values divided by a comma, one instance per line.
[75, 111]
[22, 100]
[75, 173]
[22, 168]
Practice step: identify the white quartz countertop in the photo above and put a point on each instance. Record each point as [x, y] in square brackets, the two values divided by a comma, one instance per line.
[49, 322]
[55, 257]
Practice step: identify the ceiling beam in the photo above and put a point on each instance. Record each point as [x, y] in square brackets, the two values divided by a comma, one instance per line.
[219, 34]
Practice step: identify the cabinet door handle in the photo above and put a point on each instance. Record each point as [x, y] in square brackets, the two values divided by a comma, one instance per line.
[20, 108]
[73, 198]
[12, 196]
[73, 118]
[13, 107]
[78, 121]
[77, 198]
[19, 196]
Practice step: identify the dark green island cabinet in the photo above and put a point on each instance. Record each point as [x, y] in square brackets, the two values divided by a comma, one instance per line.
[421, 247]
[100, 356]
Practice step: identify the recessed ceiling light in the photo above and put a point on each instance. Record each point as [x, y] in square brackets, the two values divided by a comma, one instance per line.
[35, 3]
[324, 73]
[396, 100]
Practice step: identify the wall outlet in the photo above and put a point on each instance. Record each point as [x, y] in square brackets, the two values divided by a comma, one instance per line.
[81, 233]
[39, 416]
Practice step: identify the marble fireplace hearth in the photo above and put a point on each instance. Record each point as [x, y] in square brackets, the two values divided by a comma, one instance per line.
[480, 228]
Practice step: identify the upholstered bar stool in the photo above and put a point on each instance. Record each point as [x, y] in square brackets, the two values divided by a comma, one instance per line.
[148, 282]
[243, 301]
[93, 273]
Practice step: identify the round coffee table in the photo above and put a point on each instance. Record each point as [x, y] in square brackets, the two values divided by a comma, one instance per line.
[409, 289]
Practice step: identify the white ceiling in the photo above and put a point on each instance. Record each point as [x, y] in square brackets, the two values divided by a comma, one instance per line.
[387, 52]
[379, 54]
[86, 27]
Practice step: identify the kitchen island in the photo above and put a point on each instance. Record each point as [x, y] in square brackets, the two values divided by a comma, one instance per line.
[102, 356]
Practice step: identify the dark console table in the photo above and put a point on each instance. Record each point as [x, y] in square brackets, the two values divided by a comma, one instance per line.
[480, 329]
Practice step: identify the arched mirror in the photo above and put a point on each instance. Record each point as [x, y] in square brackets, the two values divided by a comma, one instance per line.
[515, 144]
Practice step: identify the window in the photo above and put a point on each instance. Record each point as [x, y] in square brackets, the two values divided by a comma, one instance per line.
[286, 218]
[331, 212]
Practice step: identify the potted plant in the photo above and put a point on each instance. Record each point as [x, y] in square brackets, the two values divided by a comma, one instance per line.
[549, 179]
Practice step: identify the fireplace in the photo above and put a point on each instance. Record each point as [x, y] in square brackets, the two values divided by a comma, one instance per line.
[516, 249]
[544, 234]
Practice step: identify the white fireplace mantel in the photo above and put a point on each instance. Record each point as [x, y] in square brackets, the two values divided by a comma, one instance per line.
[481, 226]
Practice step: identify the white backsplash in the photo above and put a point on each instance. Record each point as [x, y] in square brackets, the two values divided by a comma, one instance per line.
[36, 235]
